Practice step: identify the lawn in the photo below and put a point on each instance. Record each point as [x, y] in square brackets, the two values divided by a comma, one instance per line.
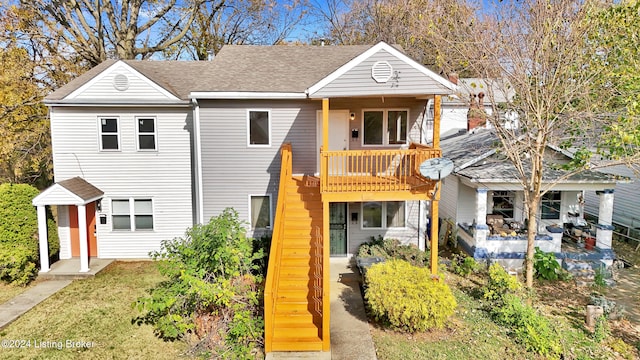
[7, 291]
[472, 334]
[94, 316]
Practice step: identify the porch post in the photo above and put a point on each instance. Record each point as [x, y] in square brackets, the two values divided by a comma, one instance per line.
[42, 238]
[325, 124]
[434, 232]
[82, 227]
[604, 232]
[481, 229]
[436, 121]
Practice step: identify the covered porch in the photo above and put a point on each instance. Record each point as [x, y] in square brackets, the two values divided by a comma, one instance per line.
[79, 200]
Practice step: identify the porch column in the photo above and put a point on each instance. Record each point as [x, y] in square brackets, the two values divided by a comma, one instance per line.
[436, 121]
[604, 232]
[82, 227]
[326, 275]
[481, 229]
[42, 238]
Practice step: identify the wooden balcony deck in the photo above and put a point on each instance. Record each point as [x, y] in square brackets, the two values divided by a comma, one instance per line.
[376, 174]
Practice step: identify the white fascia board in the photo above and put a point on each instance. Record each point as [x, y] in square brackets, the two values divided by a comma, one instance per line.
[244, 95]
[370, 52]
[121, 64]
[86, 103]
[42, 197]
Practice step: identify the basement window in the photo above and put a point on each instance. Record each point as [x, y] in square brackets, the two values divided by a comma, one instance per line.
[260, 211]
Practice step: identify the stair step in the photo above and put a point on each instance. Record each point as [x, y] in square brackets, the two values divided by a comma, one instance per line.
[300, 271]
[293, 307]
[297, 344]
[295, 331]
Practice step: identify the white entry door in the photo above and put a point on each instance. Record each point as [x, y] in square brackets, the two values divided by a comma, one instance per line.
[338, 132]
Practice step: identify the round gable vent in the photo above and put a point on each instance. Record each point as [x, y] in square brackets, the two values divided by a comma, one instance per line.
[121, 82]
[381, 71]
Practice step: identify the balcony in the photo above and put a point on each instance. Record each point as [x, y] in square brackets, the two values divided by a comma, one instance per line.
[363, 175]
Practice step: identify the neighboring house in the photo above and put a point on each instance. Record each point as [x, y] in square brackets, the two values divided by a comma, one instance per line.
[318, 145]
[484, 199]
[626, 210]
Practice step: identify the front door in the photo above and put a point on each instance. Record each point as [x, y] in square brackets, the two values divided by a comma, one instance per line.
[338, 132]
[338, 229]
[91, 230]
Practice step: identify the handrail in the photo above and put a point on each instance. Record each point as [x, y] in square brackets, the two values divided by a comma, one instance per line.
[275, 253]
[365, 170]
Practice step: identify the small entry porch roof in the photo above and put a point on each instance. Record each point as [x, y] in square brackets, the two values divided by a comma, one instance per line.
[72, 192]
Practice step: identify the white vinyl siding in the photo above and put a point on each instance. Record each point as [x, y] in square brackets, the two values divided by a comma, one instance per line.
[146, 128]
[164, 176]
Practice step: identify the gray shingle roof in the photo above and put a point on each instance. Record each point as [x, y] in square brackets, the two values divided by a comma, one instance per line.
[474, 156]
[81, 188]
[239, 68]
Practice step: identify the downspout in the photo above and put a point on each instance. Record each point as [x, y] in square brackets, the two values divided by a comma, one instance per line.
[198, 162]
[421, 222]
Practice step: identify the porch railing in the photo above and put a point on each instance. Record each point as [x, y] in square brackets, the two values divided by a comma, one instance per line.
[373, 170]
[275, 253]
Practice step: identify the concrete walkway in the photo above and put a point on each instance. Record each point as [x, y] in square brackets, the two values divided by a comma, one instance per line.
[350, 335]
[14, 308]
[61, 274]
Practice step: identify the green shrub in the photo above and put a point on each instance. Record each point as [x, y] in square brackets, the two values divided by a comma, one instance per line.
[500, 284]
[212, 289]
[393, 249]
[601, 329]
[407, 297]
[17, 264]
[545, 265]
[19, 234]
[464, 265]
[530, 328]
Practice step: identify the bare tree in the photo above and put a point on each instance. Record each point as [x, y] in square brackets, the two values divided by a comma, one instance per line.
[99, 29]
[221, 22]
[548, 55]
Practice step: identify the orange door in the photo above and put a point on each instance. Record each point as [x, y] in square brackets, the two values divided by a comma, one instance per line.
[91, 230]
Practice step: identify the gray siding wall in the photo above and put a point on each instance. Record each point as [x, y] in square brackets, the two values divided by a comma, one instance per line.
[232, 170]
[64, 233]
[466, 204]
[358, 81]
[626, 210]
[163, 175]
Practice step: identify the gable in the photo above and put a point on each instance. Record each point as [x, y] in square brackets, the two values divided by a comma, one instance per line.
[382, 70]
[120, 83]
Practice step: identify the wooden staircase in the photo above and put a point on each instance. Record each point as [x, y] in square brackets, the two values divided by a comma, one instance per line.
[293, 291]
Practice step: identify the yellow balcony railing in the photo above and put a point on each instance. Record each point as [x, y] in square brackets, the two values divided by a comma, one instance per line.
[374, 170]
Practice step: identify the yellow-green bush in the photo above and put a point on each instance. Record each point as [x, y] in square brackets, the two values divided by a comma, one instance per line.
[407, 297]
[19, 234]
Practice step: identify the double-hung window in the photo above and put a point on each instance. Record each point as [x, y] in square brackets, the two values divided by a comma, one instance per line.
[383, 215]
[132, 214]
[550, 205]
[146, 127]
[503, 203]
[260, 211]
[109, 133]
[385, 127]
[258, 128]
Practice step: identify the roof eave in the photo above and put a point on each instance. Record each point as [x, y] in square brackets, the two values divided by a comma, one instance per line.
[245, 95]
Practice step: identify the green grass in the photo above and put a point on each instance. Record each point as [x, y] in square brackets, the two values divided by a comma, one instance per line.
[96, 311]
[471, 334]
[7, 291]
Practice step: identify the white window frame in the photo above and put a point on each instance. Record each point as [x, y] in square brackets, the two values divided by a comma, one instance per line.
[249, 144]
[154, 133]
[132, 214]
[542, 205]
[117, 133]
[270, 227]
[383, 214]
[385, 126]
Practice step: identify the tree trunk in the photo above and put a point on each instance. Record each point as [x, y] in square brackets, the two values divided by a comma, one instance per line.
[532, 230]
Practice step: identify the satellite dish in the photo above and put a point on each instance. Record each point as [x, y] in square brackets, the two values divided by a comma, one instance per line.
[436, 168]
